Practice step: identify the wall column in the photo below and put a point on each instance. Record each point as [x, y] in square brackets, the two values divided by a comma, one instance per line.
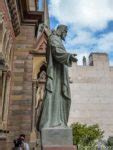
[34, 103]
[7, 77]
[33, 136]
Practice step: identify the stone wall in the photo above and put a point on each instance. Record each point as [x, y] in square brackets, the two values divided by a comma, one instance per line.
[20, 107]
[6, 53]
[32, 5]
[92, 93]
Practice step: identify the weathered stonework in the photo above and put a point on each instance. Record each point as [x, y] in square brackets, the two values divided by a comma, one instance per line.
[16, 68]
[91, 90]
[23, 58]
[6, 44]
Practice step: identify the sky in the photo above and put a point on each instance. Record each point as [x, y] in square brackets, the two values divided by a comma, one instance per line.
[90, 25]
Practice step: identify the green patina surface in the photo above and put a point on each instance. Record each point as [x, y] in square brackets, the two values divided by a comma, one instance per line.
[56, 104]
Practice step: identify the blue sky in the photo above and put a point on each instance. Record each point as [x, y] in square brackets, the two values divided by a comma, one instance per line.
[90, 24]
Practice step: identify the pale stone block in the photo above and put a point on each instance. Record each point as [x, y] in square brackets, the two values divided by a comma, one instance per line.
[56, 137]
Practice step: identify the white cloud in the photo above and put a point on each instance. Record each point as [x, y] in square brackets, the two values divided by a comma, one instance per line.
[111, 63]
[80, 57]
[87, 40]
[84, 18]
[83, 13]
[105, 43]
[82, 38]
[84, 43]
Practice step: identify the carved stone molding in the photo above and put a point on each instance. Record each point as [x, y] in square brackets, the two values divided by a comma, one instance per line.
[6, 18]
[29, 17]
[14, 16]
[6, 42]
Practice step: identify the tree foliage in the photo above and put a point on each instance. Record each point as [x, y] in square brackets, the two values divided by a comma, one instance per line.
[86, 135]
[110, 141]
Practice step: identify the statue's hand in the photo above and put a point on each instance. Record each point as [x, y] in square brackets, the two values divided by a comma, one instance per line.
[73, 58]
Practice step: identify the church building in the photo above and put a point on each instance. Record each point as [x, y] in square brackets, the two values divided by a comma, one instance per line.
[23, 42]
[24, 31]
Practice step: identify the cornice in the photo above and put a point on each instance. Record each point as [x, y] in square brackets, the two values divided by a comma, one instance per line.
[29, 17]
[14, 16]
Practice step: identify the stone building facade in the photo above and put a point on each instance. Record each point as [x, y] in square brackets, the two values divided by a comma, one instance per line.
[92, 93]
[23, 45]
[23, 40]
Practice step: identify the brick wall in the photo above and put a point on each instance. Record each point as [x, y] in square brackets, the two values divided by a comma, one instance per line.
[3, 144]
[20, 109]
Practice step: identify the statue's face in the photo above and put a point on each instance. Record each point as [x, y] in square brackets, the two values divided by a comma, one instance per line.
[64, 34]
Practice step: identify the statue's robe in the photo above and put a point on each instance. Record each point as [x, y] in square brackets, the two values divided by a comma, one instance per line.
[57, 100]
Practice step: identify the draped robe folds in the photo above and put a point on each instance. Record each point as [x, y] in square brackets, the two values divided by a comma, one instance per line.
[57, 100]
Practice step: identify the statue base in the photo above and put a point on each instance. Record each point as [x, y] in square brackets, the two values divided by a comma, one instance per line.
[59, 148]
[57, 139]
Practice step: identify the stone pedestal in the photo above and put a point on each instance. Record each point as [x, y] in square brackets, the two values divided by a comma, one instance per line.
[59, 148]
[57, 139]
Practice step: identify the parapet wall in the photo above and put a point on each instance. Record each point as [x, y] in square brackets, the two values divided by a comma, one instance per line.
[91, 90]
[98, 60]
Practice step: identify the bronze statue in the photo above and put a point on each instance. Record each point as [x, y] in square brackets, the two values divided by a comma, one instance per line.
[57, 100]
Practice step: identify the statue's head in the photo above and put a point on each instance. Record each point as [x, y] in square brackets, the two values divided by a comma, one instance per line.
[62, 31]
